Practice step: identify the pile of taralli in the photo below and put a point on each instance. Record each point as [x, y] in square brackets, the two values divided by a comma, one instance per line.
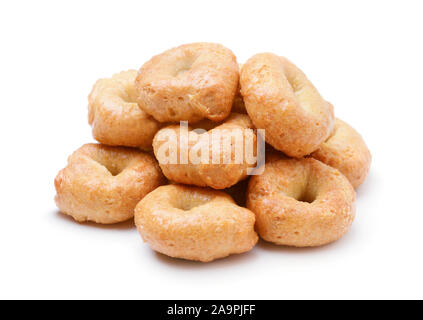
[205, 210]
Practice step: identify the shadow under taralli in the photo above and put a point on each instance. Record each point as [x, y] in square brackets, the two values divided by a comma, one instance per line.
[193, 265]
[369, 185]
[271, 247]
[126, 225]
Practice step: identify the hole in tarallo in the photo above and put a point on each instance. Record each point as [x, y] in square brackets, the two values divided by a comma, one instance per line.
[307, 197]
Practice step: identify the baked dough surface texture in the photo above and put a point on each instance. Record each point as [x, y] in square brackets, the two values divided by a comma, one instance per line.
[219, 175]
[346, 151]
[189, 83]
[301, 202]
[104, 184]
[194, 223]
[280, 99]
[114, 114]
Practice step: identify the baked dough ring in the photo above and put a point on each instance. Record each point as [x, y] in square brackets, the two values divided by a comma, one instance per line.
[301, 202]
[104, 184]
[280, 99]
[346, 151]
[114, 115]
[190, 82]
[217, 176]
[194, 223]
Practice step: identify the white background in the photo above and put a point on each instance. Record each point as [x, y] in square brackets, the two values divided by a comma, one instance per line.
[363, 56]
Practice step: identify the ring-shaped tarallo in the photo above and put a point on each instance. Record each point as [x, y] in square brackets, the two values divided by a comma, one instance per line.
[189, 83]
[280, 99]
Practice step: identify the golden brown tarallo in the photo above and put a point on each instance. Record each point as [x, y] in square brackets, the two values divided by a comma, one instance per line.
[194, 223]
[114, 114]
[280, 99]
[104, 184]
[237, 128]
[301, 202]
[346, 151]
[190, 82]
